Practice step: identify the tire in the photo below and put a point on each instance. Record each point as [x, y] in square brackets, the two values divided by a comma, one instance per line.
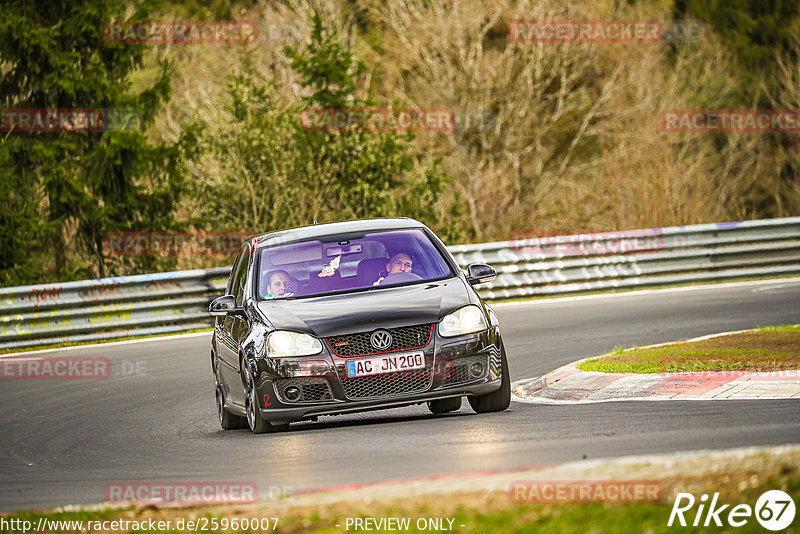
[257, 424]
[499, 400]
[444, 405]
[227, 420]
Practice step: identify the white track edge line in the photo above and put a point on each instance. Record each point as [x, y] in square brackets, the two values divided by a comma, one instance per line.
[108, 344]
[543, 299]
[650, 399]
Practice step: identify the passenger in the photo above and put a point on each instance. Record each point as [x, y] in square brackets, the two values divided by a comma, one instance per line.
[400, 262]
[278, 286]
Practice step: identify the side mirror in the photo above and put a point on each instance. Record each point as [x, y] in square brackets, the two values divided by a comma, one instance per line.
[480, 273]
[222, 305]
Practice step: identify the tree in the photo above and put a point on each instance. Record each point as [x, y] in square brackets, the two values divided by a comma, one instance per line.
[20, 240]
[762, 37]
[276, 174]
[79, 186]
[755, 30]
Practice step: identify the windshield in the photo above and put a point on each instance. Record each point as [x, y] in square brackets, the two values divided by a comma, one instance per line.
[348, 262]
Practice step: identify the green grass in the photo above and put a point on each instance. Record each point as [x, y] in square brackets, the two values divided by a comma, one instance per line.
[770, 348]
[784, 328]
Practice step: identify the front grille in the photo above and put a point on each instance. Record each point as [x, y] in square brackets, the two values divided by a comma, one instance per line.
[390, 384]
[313, 389]
[457, 371]
[404, 338]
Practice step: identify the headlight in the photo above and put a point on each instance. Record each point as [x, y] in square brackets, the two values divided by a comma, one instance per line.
[281, 344]
[466, 320]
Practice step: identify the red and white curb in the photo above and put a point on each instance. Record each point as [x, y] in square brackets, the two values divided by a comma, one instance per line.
[570, 385]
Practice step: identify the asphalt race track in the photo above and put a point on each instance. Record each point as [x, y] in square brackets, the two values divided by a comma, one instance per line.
[154, 419]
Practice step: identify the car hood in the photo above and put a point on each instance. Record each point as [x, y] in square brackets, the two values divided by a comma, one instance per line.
[363, 311]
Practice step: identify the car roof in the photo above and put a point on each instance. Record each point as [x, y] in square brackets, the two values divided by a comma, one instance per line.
[303, 233]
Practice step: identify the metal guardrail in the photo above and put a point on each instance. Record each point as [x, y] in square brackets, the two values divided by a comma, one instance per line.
[108, 308]
[150, 304]
[638, 258]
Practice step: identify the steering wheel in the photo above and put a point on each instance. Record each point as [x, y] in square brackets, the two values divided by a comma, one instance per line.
[399, 278]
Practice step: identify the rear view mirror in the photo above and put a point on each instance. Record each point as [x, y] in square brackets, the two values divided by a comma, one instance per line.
[222, 305]
[479, 273]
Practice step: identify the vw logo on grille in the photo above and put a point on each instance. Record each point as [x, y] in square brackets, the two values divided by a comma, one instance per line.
[381, 339]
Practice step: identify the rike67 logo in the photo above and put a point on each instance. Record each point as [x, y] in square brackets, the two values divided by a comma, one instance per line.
[774, 510]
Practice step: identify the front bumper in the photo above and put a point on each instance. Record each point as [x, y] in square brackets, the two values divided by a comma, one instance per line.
[466, 365]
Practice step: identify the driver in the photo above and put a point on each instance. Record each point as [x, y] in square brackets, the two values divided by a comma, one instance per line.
[400, 262]
[278, 285]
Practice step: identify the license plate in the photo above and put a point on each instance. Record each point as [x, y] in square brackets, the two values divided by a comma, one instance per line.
[385, 364]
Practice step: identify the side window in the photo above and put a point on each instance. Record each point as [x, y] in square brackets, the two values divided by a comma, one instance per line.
[241, 277]
[232, 276]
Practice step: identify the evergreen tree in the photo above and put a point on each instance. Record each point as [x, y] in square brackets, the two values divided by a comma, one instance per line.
[278, 174]
[79, 185]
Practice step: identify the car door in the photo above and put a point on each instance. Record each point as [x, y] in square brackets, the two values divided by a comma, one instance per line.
[231, 330]
[222, 332]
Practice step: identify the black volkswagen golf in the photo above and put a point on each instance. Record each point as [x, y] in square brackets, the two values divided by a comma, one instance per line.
[348, 317]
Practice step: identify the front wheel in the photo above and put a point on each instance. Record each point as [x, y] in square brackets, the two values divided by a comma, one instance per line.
[227, 420]
[255, 421]
[499, 400]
